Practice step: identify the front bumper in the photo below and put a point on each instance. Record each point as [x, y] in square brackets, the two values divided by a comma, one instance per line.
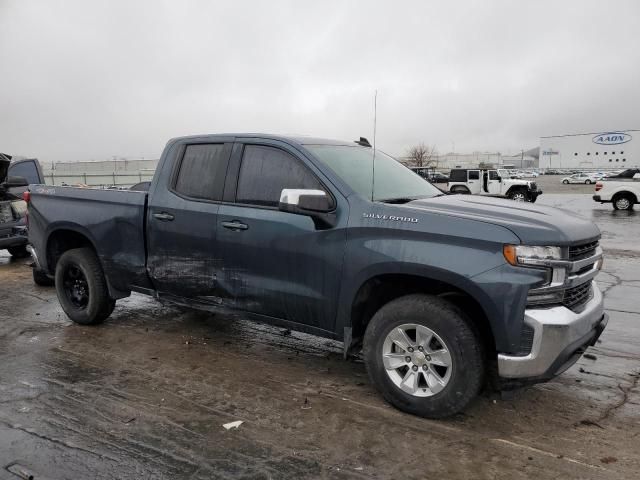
[560, 337]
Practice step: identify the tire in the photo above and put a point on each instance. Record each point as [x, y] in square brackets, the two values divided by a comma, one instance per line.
[458, 337]
[566, 182]
[460, 191]
[81, 287]
[18, 252]
[42, 279]
[587, 182]
[519, 196]
[622, 202]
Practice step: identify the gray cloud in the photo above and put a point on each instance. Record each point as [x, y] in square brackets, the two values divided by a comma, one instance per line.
[88, 80]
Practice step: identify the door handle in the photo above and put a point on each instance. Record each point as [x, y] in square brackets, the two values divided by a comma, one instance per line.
[235, 225]
[164, 216]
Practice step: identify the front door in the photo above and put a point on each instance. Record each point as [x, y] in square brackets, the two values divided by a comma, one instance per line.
[277, 263]
[183, 257]
[474, 182]
[493, 182]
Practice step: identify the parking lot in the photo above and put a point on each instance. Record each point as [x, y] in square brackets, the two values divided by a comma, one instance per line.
[145, 395]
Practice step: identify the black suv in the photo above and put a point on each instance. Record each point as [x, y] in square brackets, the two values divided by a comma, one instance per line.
[15, 176]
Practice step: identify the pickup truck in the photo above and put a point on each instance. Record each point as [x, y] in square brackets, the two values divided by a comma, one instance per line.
[495, 183]
[15, 176]
[622, 190]
[441, 293]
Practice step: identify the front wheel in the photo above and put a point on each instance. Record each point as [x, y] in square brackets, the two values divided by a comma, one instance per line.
[518, 196]
[566, 182]
[423, 354]
[587, 182]
[81, 287]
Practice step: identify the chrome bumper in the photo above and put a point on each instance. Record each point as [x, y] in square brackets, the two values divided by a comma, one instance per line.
[560, 335]
[34, 257]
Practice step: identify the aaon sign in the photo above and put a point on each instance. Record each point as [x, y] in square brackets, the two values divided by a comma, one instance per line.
[611, 138]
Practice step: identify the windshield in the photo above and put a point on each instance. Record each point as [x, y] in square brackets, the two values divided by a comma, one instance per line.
[354, 165]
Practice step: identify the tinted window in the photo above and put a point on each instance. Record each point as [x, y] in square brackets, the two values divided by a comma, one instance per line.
[202, 171]
[458, 176]
[266, 171]
[474, 175]
[27, 170]
[493, 175]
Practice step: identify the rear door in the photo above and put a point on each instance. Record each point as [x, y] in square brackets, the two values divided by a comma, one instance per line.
[183, 257]
[277, 263]
[473, 181]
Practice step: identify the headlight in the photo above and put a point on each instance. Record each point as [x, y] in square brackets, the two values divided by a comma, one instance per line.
[529, 255]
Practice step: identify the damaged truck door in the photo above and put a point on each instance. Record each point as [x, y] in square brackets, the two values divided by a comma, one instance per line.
[183, 254]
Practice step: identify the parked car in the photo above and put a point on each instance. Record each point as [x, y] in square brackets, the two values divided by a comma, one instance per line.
[441, 292]
[428, 173]
[15, 176]
[623, 192]
[497, 183]
[580, 178]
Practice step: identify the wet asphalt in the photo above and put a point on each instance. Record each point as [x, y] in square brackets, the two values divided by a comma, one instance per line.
[145, 395]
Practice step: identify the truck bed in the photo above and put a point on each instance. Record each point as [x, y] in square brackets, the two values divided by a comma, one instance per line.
[113, 220]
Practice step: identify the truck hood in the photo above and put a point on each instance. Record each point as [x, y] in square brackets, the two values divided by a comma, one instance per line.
[533, 224]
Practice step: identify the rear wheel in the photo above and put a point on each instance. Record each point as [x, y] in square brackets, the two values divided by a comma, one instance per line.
[424, 356]
[460, 190]
[587, 182]
[566, 182]
[18, 252]
[623, 202]
[81, 287]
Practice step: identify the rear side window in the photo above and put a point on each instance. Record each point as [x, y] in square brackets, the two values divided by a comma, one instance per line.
[202, 171]
[27, 170]
[458, 176]
[474, 175]
[265, 171]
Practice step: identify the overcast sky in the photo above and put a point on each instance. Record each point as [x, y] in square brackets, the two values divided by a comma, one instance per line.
[85, 80]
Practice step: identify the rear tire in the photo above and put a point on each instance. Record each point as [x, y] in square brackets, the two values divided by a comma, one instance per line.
[18, 252]
[460, 191]
[623, 202]
[42, 279]
[81, 287]
[566, 182]
[430, 396]
[587, 182]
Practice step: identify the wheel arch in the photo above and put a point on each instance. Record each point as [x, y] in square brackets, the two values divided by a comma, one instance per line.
[381, 288]
[624, 193]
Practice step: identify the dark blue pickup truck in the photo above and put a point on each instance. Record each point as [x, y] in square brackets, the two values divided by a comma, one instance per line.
[441, 292]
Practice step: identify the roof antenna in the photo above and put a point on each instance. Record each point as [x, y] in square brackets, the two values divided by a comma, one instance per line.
[373, 162]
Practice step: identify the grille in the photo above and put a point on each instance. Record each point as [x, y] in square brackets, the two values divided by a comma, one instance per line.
[585, 250]
[526, 341]
[577, 296]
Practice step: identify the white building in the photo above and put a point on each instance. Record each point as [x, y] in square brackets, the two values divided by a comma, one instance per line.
[604, 150]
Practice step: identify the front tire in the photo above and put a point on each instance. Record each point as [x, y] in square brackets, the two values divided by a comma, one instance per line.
[566, 182]
[519, 196]
[81, 287]
[587, 182]
[424, 355]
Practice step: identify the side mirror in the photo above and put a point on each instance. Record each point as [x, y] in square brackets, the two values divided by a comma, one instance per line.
[316, 204]
[499, 178]
[14, 182]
